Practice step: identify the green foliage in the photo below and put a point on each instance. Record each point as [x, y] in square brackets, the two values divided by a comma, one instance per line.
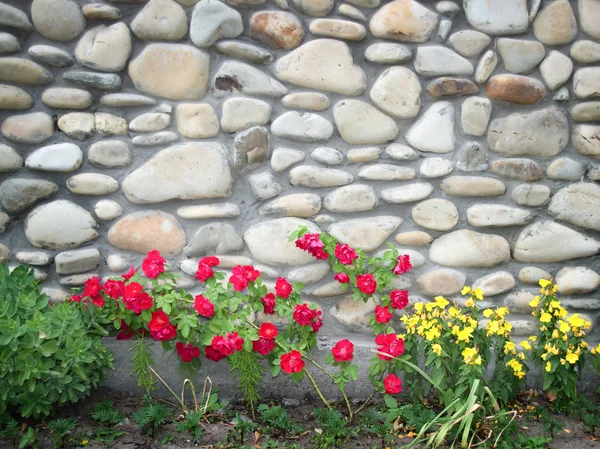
[61, 430]
[373, 422]
[550, 425]
[241, 429]
[108, 418]
[48, 355]
[152, 416]
[523, 441]
[142, 361]
[335, 429]
[413, 416]
[10, 431]
[277, 421]
[248, 370]
[191, 424]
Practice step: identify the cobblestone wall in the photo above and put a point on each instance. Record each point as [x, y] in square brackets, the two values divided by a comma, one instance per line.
[467, 135]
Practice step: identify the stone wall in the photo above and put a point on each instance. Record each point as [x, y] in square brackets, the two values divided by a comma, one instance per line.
[466, 135]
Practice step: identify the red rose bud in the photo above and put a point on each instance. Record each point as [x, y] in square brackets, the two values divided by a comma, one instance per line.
[392, 384]
[342, 278]
[403, 265]
[343, 351]
[130, 273]
[283, 288]
[268, 303]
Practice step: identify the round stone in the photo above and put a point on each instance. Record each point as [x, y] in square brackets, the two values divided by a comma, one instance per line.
[78, 125]
[495, 284]
[435, 214]
[577, 204]
[443, 281]
[277, 29]
[92, 184]
[556, 69]
[14, 98]
[315, 8]
[105, 48]
[507, 17]
[10, 160]
[60, 158]
[99, 11]
[108, 210]
[585, 51]
[532, 275]
[486, 66]
[401, 152]
[436, 60]
[9, 43]
[469, 43]
[284, 158]
[586, 82]
[360, 155]
[242, 113]
[196, 120]
[242, 50]
[577, 280]
[397, 91]
[57, 20]
[519, 55]
[126, 100]
[586, 139]
[327, 156]
[565, 169]
[36, 258]
[205, 211]
[403, 20]
[516, 168]
[555, 24]
[352, 198]
[160, 20]
[435, 167]
[236, 77]
[309, 274]
[469, 249]
[302, 127]
[110, 154]
[18, 194]
[214, 238]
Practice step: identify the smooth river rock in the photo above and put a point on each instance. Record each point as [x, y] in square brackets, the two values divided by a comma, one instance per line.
[403, 20]
[105, 48]
[472, 186]
[376, 127]
[19, 194]
[443, 281]
[435, 214]
[397, 91]
[469, 249]
[578, 204]
[576, 280]
[366, 233]
[14, 98]
[433, 132]
[309, 176]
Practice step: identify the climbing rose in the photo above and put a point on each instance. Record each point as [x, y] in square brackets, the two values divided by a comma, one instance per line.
[153, 264]
[403, 265]
[136, 300]
[98, 301]
[75, 298]
[313, 244]
[204, 271]
[212, 354]
[236, 342]
[130, 273]
[268, 303]
[366, 283]
[291, 362]
[93, 287]
[268, 331]
[304, 315]
[389, 344]
[318, 323]
[204, 307]
[187, 352]
[342, 278]
[399, 299]
[392, 384]
[382, 314]
[126, 333]
[345, 254]
[221, 345]
[343, 351]
[211, 261]
[263, 346]
[283, 288]
[160, 326]
[114, 289]
[240, 275]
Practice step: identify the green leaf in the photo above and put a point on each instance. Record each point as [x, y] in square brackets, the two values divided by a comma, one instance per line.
[390, 401]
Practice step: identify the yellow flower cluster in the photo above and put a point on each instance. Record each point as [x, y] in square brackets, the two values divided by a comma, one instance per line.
[596, 350]
[496, 324]
[517, 368]
[471, 356]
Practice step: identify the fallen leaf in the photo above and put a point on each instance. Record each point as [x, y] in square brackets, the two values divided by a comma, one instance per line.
[566, 431]
[411, 434]
[319, 431]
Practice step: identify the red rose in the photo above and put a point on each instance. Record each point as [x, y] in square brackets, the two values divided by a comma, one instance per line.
[187, 352]
[212, 354]
[75, 298]
[263, 346]
[126, 333]
[211, 261]
[399, 299]
[342, 278]
[316, 325]
[304, 315]
[283, 288]
[204, 307]
[366, 283]
[392, 384]
[166, 333]
[221, 345]
[235, 342]
[93, 287]
[241, 275]
[160, 326]
[239, 282]
[204, 272]
[130, 273]
[389, 344]
[153, 264]
[250, 273]
[132, 290]
[343, 351]
[268, 331]
[403, 265]
[268, 303]
[382, 314]
[291, 362]
[345, 254]
[114, 289]
[98, 301]
[136, 300]
[313, 244]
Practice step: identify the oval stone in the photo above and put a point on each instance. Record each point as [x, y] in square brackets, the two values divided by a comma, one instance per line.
[469, 249]
[521, 169]
[281, 30]
[352, 198]
[443, 281]
[303, 205]
[110, 154]
[23, 71]
[366, 233]
[515, 89]
[309, 176]
[408, 193]
[67, 98]
[14, 98]
[57, 20]
[436, 214]
[105, 48]
[92, 184]
[403, 20]
[60, 158]
[472, 186]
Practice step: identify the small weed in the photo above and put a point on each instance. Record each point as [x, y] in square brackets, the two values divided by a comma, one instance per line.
[108, 418]
[167, 438]
[62, 430]
[334, 429]
[152, 416]
[242, 427]
[277, 421]
[191, 424]
[523, 441]
[373, 422]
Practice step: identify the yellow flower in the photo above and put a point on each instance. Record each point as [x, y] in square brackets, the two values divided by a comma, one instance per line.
[488, 313]
[526, 345]
[502, 312]
[544, 283]
[465, 290]
[453, 312]
[478, 294]
[555, 334]
[545, 317]
[509, 346]
[576, 321]
[469, 356]
[432, 334]
[554, 305]
[493, 327]
[548, 367]
[532, 338]
[429, 306]
[441, 302]
[521, 355]
[572, 357]
[534, 302]
[470, 302]
[418, 307]
[437, 348]
[465, 334]
[563, 326]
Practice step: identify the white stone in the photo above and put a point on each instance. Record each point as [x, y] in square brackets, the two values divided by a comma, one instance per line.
[160, 20]
[110, 154]
[497, 17]
[212, 20]
[520, 56]
[444, 29]
[447, 7]
[352, 198]
[469, 43]
[586, 82]
[99, 11]
[547, 242]
[397, 91]
[4, 221]
[436, 60]
[586, 140]
[284, 158]
[235, 77]
[531, 195]
[117, 263]
[36, 258]
[264, 186]
[302, 205]
[327, 156]
[386, 172]
[108, 210]
[312, 101]
[309, 176]
[196, 121]
[315, 8]
[320, 64]
[472, 186]
[78, 125]
[401, 152]
[532, 275]
[105, 48]
[66, 98]
[214, 238]
[576, 280]
[280, 250]
[556, 69]
[403, 20]
[158, 138]
[435, 167]
[173, 173]
[10, 160]
[407, 193]
[58, 20]
[126, 100]
[243, 113]
[242, 50]
[206, 211]
[60, 225]
[60, 157]
[555, 24]
[302, 127]
[443, 281]
[495, 283]
[589, 17]
[365, 233]
[565, 169]
[434, 131]
[475, 115]
[309, 274]
[92, 184]
[110, 124]
[339, 29]
[472, 157]
[435, 214]
[388, 53]
[486, 66]
[376, 127]
[360, 155]
[469, 249]
[414, 238]
[149, 122]
[578, 204]
[9, 43]
[562, 94]
[486, 215]
[585, 51]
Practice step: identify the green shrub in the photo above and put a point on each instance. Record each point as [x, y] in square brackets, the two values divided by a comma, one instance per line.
[48, 355]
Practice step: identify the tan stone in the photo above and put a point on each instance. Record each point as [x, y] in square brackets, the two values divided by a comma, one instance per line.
[403, 20]
[59, 20]
[340, 29]
[441, 282]
[414, 238]
[586, 112]
[469, 249]
[354, 315]
[146, 231]
[67, 98]
[277, 29]
[14, 98]
[589, 17]
[303, 205]
[312, 101]
[160, 20]
[315, 8]
[23, 71]
[555, 24]
[515, 89]
[31, 128]
[196, 120]
[475, 186]
[521, 169]
[442, 87]
[110, 124]
[105, 48]
[173, 71]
